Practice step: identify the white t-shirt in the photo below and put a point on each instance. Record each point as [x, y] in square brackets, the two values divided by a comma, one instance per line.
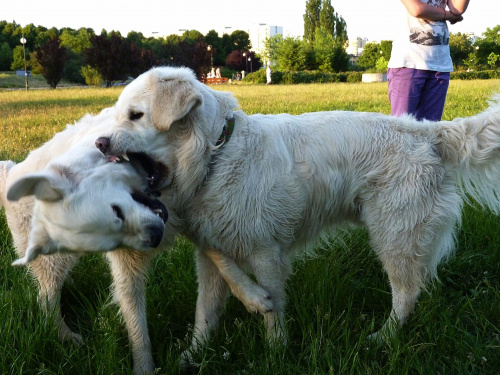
[422, 44]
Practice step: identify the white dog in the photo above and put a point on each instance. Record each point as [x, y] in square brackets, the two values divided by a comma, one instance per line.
[77, 201]
[257, 196]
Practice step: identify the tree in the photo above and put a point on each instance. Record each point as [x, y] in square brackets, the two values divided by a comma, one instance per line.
[331, 22]
[460, 47]
[52, 57]
[18, 58]
[236, 61]
[240, 40]
[492, 60]
[490, 42]
[371, 53]
[6, 57]
[290, 54]
[311, 19]
[76, 41]
[113, 57]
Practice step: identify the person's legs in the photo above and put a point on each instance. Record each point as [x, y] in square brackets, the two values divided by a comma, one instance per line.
[433, 97]
[405, 85]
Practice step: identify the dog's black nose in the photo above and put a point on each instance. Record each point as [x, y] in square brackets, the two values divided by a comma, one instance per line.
[102, 143]
[155, 235]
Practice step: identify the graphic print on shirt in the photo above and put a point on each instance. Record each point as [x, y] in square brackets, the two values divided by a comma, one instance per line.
[429, 33]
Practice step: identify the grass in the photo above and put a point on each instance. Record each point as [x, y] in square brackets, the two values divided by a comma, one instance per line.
[336, 299]
[10, 80]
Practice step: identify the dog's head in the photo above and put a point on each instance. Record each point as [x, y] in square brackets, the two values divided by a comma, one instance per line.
[172, 118]
[89, 210]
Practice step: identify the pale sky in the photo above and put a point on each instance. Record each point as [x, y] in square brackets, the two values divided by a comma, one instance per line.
[364, 18]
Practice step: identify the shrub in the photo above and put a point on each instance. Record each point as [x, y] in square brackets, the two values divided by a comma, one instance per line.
[91, 76]
[476, 74]
[304, 76]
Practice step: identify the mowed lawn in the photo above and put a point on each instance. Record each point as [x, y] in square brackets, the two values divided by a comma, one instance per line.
[336, 297]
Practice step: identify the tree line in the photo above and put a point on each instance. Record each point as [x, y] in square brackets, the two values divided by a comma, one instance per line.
[83, 56]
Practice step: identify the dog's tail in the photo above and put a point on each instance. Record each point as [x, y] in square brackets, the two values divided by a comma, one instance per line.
[472, 146]
[4, 172]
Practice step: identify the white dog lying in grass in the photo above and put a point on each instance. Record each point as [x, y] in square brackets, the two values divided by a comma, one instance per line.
[257, 196]
[66, 197]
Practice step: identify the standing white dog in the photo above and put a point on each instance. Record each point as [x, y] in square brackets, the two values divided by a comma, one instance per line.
[65, 199]
[255, 197]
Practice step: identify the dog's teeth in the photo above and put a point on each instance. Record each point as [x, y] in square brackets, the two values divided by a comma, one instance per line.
[124, 156]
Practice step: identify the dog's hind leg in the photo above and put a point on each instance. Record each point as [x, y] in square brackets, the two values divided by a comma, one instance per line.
[51, 272]
[129, 271]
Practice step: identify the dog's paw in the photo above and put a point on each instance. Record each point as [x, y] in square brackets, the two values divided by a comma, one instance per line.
[259, 301]
[187, 361]
[20, 262]
[377, 338]
[71, 337]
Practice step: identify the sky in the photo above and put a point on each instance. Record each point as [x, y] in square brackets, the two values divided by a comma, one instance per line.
[364, 18]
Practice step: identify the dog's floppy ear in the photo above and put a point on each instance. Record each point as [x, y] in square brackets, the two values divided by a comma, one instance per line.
[171, 101]
[44, 186]
[39, 243]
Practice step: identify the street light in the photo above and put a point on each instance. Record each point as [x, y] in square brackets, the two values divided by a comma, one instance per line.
[209, 49]
[251, 68]
[23, 42]
[246, 62]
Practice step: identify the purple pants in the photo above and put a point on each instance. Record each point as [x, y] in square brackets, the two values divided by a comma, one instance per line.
[421, 93]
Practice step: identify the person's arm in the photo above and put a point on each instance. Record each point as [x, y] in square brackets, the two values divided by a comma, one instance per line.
[428, 12]
[458, 7]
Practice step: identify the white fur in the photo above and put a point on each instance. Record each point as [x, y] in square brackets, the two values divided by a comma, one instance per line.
[63, 199]
[282, 181]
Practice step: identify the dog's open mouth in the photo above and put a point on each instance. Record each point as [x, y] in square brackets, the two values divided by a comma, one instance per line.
[155, 172]
[153, 204]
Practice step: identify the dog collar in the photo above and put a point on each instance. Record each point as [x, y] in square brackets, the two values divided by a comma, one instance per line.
[227, 131]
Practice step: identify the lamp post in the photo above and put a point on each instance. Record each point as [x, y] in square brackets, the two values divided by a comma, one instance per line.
[209, 49]
[246, 62]
[251, 67]
[23, 42]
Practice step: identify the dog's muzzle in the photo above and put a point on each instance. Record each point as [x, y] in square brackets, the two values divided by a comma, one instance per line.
[156, 172]
[154, 205]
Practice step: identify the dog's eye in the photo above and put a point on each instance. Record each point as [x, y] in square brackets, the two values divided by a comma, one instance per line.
[135, 115]
[118, 212]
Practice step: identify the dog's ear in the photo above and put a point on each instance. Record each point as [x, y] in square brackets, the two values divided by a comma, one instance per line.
[44, 186]
[39, 243]
[171, 101]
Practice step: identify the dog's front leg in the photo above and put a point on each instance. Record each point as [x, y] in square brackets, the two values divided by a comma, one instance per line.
[51, 272]
[212, 295]
[254, 297]
[129, 271]
[272, 267]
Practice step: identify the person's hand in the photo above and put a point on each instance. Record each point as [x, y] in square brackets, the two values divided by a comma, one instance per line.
[453, 18]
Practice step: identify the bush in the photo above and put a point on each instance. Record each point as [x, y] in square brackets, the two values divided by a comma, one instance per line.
[476, 74]
[304, 76]
[91, 76]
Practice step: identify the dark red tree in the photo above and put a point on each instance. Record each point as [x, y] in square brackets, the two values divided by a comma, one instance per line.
[236, 61]
[114, 57]
[52, 58]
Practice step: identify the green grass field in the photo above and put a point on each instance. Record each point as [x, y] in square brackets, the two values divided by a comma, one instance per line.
[336, 298]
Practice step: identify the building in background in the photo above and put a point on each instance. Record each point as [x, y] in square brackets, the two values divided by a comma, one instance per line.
[258, 35]
[355, 48]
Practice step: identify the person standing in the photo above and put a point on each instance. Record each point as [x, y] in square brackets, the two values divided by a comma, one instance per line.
[420, 64]
[268, 74]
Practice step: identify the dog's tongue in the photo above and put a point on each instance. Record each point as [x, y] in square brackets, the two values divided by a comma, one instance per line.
[153, 204]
